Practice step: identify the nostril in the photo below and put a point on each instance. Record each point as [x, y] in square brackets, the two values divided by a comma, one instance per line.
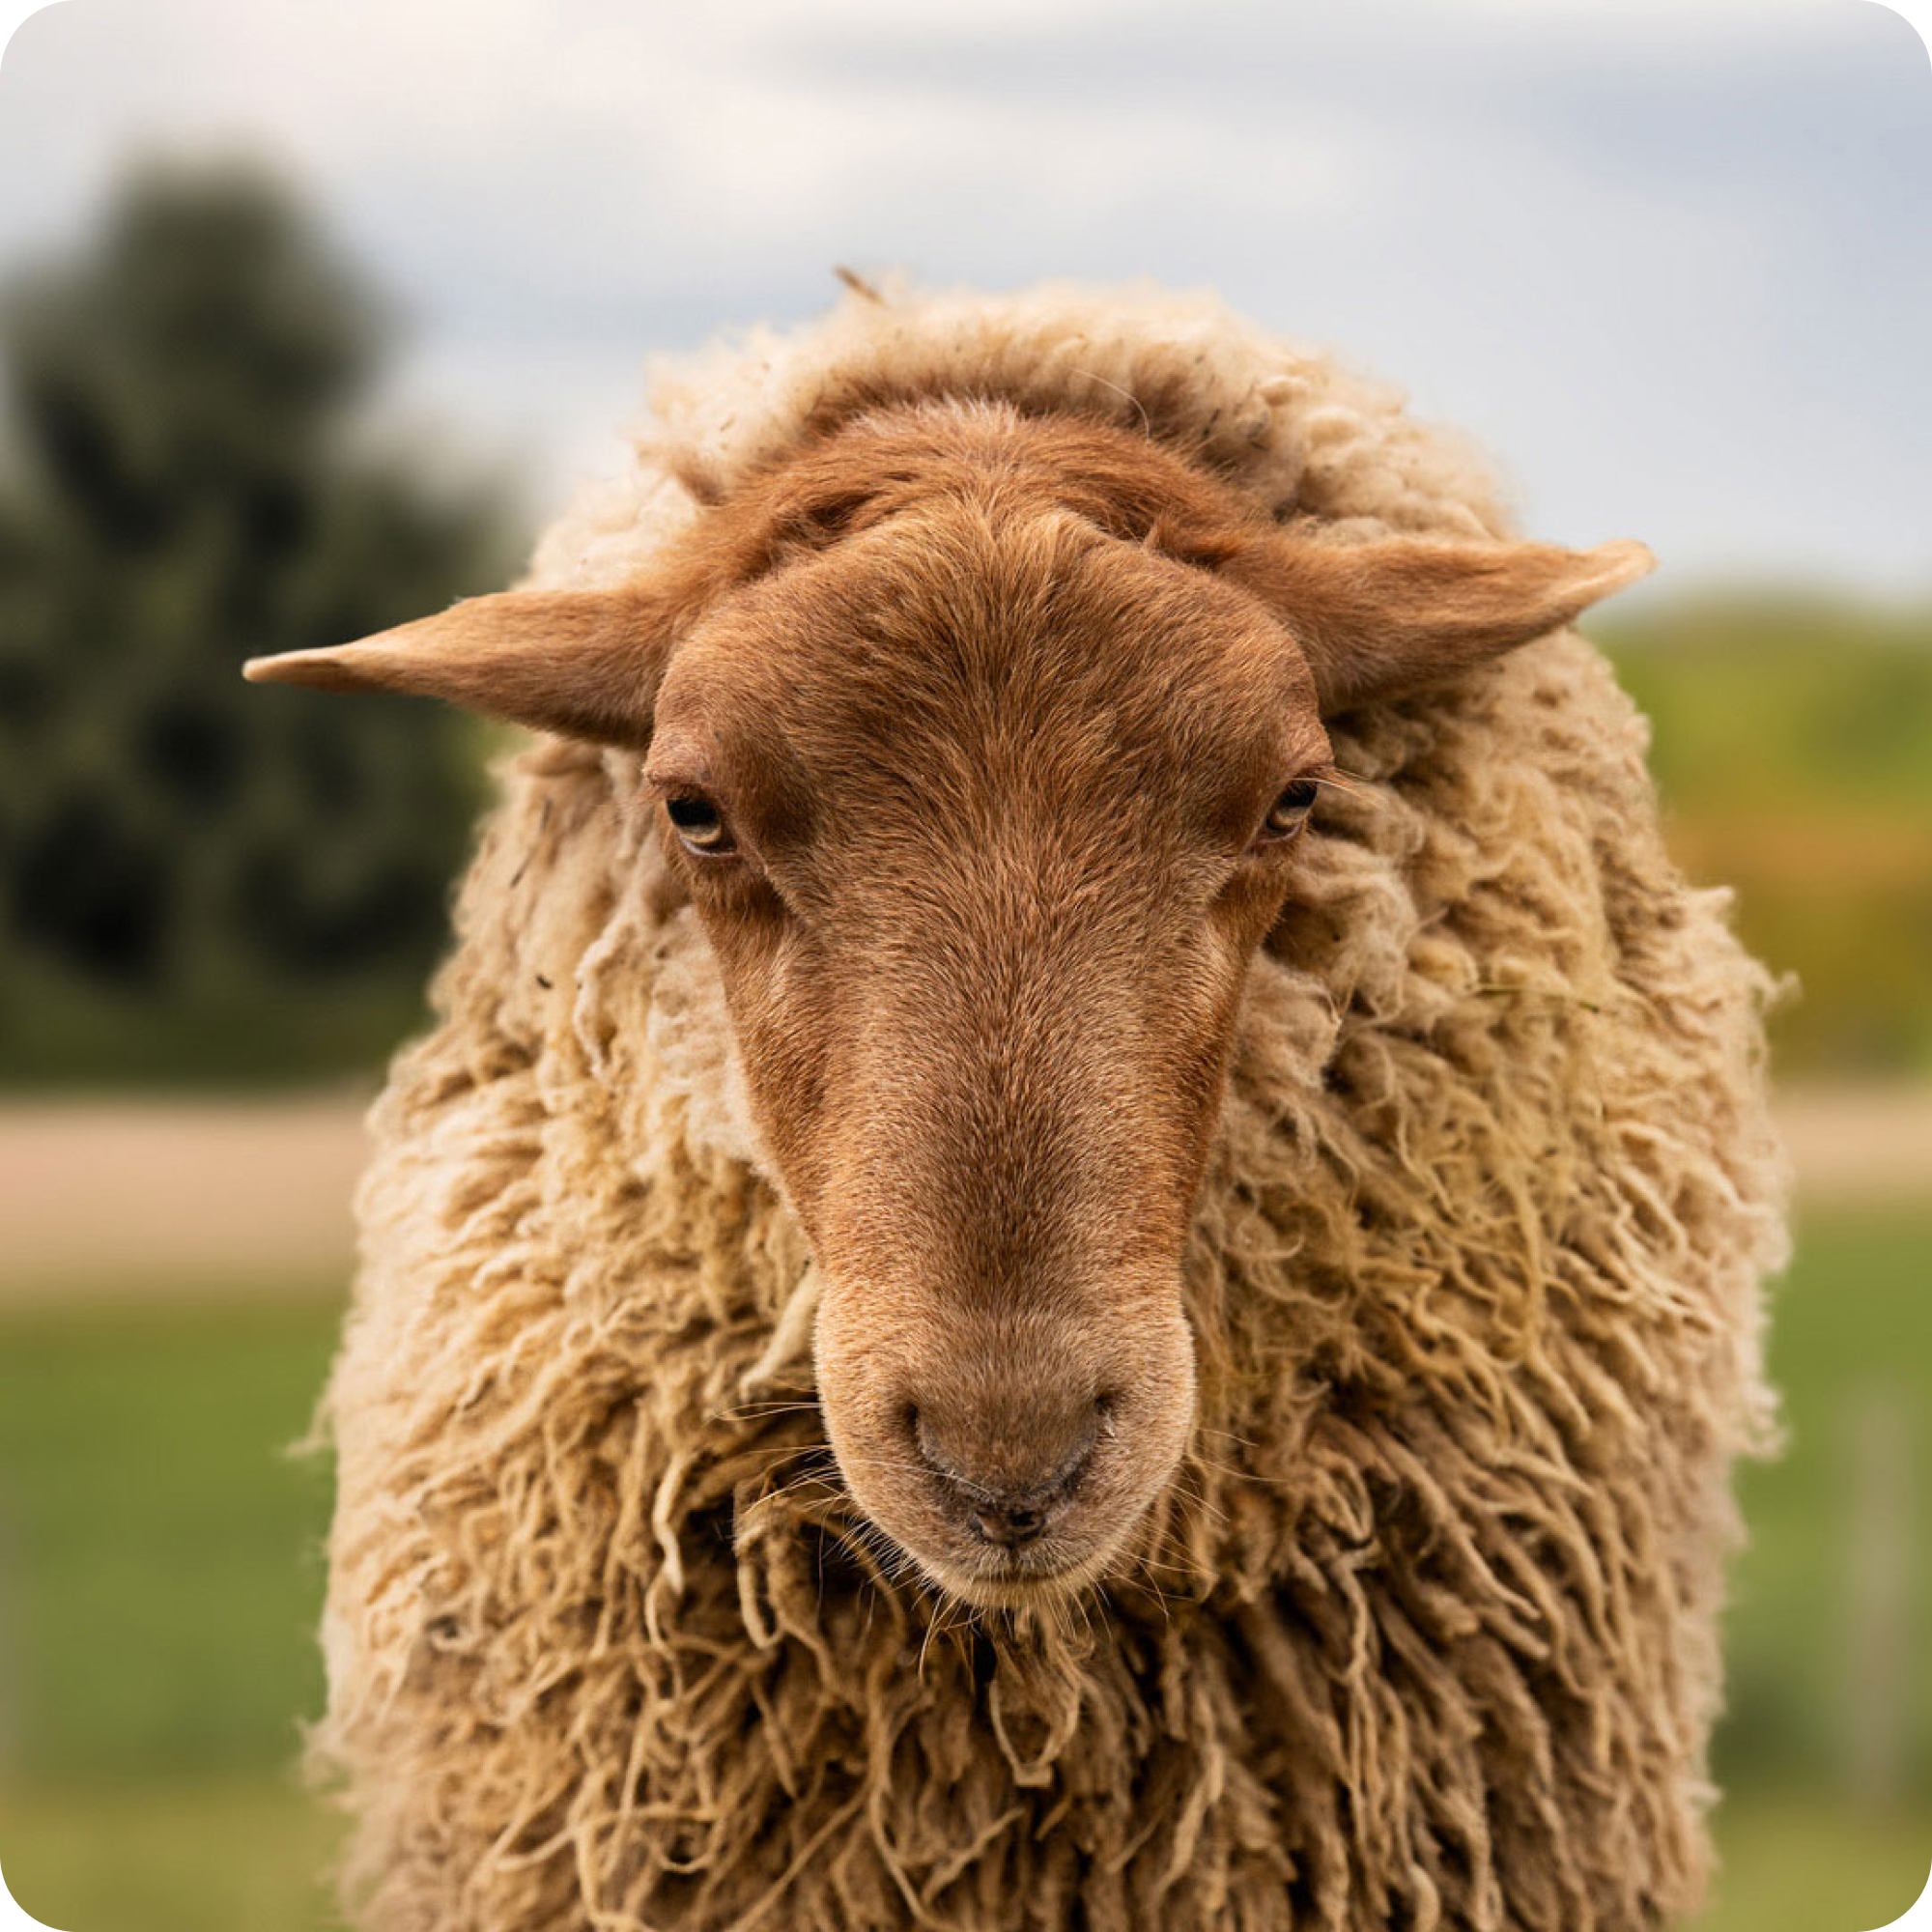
[1009, 1527]
[919, 1433]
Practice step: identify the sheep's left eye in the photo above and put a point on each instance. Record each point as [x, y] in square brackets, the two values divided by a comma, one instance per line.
[699, 824]
[1290, 811]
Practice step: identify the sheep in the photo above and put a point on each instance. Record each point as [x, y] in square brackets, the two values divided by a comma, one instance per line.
[1081, 1241]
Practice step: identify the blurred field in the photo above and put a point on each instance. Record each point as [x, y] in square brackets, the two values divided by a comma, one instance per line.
[1792, 741]
[159, 1570]
[189, 1853]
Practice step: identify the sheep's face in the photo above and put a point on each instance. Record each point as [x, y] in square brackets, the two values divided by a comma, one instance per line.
[984, 748]
[985, 816]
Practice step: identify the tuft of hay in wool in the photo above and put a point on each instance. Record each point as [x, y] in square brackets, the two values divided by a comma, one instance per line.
[1423, 1636]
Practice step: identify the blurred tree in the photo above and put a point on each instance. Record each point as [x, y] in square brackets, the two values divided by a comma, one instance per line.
[200, 879]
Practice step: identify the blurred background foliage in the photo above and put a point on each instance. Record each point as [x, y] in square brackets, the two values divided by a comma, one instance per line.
[200, 882]
[205, 885]
[1792, 739]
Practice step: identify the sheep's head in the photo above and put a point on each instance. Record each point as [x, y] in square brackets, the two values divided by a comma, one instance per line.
[983, 746]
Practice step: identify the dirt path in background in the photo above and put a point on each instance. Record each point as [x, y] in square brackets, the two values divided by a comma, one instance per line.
[1857, 1147]
[123, 1198]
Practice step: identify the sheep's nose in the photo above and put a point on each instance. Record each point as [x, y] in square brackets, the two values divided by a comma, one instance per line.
[1005, 1482]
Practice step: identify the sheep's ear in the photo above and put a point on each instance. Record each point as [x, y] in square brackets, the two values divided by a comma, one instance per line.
[582, 661]
[1378, 619]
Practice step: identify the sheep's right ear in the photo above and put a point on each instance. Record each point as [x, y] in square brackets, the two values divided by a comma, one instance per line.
[586, 663]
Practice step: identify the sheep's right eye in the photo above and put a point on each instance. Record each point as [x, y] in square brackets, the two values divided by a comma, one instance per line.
[699, 824]
[1289, 813]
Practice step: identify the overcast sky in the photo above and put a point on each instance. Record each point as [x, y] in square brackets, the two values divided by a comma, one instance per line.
[1672, 262]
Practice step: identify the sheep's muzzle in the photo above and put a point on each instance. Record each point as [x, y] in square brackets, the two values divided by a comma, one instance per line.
[1008, 1452]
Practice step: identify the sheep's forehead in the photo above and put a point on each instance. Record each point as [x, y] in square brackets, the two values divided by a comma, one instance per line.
[946, 650]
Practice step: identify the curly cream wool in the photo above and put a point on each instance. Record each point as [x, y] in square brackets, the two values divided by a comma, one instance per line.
[1428, 1638]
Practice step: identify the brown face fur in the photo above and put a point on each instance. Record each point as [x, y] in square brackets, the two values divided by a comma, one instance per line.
[995, 802]
[999, 731]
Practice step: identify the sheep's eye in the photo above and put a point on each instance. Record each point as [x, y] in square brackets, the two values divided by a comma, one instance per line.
[1290, 811]
[698, 823]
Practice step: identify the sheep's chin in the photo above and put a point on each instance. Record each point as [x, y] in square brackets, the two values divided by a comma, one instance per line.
[1018, 1590]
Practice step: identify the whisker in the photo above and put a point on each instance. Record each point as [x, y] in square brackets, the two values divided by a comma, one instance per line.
[1226, 1435]
[1334, 779]
[1147, 422]
[762, 1411]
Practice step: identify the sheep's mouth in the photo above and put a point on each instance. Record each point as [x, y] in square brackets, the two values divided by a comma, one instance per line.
[1014, 1580]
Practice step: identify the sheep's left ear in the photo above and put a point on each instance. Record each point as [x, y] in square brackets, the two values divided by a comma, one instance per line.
[582, 661]
[1378, 619]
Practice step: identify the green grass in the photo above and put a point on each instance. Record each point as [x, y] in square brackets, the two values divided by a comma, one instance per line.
[159, 1550]
[160, 1576]
[189, 1854]
[1797, 1863]
[1851, 1332]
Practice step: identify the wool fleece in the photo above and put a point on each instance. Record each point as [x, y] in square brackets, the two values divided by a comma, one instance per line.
[1425, 1634]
